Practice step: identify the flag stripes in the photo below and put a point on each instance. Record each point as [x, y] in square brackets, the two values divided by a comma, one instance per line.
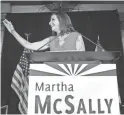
[20, 81]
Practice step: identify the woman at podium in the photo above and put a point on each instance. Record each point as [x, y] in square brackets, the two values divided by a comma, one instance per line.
[64, 37]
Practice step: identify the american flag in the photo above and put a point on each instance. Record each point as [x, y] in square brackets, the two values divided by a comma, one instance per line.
[20, 81]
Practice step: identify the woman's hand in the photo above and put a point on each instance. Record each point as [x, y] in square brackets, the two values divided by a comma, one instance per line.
[8, 25]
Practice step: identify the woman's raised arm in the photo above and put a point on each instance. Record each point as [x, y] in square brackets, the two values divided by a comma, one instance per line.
[23, 42]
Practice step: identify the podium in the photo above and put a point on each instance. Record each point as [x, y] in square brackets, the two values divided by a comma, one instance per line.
[72, 56]
[73, 83]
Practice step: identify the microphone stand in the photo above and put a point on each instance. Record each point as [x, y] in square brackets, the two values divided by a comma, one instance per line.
[93, 42]
[48, 42]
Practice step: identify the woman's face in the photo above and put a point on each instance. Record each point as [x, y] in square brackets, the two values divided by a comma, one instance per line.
[54, 23]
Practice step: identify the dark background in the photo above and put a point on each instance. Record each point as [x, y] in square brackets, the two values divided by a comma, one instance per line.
[89, 23]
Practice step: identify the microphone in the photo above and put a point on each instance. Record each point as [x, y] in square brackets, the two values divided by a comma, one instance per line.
[93, 42]
[81, 35]
[114, 61]
[48, 42]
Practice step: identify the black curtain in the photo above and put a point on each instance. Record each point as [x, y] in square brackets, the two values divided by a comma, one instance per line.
[106, 24]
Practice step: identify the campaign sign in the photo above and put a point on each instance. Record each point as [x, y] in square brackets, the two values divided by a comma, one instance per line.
[75, 89]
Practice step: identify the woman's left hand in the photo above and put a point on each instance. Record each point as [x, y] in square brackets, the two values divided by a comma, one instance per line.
[8, 25]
